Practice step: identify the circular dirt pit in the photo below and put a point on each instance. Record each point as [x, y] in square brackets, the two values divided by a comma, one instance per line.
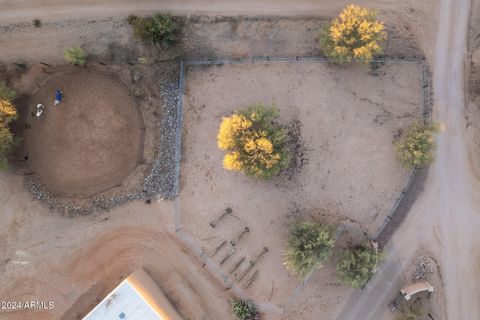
[89, 142]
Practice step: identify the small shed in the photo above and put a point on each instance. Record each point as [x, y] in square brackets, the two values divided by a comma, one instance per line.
[414, 288]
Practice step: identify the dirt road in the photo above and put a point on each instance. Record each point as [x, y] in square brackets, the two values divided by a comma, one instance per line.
[445, 218]
[52, 8]
[416, 14]
[455, 179]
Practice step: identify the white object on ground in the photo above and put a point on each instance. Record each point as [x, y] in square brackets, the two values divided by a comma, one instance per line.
[40, 109]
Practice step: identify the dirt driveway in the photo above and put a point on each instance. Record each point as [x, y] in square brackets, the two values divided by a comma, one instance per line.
[445, 218]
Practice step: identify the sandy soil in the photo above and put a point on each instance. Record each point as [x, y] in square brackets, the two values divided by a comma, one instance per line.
[456, 217]
[444, 220]
[418, 17]
[349, 171]
[90, 141]
[248, 28]
[45, 240]
[434, 303]
[74, 263]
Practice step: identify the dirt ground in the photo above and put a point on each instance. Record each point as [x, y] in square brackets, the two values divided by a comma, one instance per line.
[90, 141]
[75, 265]
[347, 171]
[39, 250]
[473, 69]
[434, 303]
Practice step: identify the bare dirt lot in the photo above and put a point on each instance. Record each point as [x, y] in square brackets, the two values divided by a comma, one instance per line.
[90, 141]
[347, 173]
[75, 263]
[37, 246]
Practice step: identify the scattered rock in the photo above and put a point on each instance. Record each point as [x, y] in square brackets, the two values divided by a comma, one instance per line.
[163, 177]
[424, 267]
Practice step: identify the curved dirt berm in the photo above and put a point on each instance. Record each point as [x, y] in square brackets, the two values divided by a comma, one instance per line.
[89, 142]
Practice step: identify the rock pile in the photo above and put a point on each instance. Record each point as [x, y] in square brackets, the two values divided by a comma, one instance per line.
[163, 177]
[424, 267]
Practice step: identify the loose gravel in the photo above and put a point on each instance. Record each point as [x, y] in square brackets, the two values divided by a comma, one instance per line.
[163, 177]
[161, 181]
[424, 267]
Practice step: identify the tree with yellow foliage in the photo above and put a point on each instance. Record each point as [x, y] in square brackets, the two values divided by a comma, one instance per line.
[8, 113]
[255, 144]
[356, 35]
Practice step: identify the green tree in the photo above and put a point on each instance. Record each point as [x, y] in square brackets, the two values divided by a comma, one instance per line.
[158, 29]
[355, 35]
[75, 55]
[6, 92]
[355, 266]
[309, 244]
[416, 148]
[243, 309]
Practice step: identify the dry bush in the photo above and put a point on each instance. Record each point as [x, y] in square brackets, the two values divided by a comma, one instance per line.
[75, 56]
[6, 92]
[416, 148]
[159, 28]
[244, 309]
[413, 310]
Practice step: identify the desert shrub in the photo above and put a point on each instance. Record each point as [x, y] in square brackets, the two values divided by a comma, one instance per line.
[255, 143]
[7, 143]
[356, 35]
[355, 266]
[37, 23]
[159, 28]
[243, 309]
[412, 310]
[309, 244]
[416, 148]
[6, 92]
[75, 56]
[131, 19]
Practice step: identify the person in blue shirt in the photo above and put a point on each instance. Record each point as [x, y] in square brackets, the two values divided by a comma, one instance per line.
[58, 97]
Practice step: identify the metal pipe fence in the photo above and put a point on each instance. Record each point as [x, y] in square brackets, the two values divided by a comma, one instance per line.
[425, 105]
[425, 114]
